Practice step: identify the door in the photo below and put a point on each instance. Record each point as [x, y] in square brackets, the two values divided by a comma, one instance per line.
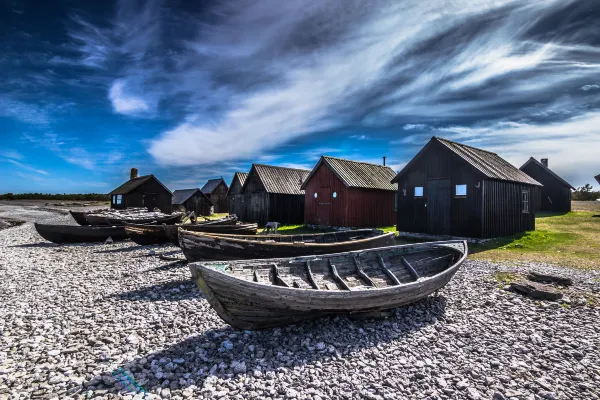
[324, 206]
[150, 200]
[439, 196]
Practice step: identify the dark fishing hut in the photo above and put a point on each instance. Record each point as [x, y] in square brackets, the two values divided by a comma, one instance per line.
[556, 193]
[234, 194]
[273, 194]
[216, 191]
[453, 189]
[141, 191]
[192, 200]
[341, 192]
[597, 178]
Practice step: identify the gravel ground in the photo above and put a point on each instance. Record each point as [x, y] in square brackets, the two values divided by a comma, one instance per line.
[115, 321]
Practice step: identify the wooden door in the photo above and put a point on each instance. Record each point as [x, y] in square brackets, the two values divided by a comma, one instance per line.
[150, 200]
[324, 206]
[439, 209]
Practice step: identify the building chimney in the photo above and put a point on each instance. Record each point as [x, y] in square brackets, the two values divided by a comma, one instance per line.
[384, 157]
[134, 173]
[545, 162]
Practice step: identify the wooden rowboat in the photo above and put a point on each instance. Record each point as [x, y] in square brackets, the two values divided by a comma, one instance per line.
[256, 294]
[158, 234]
[198, 246]
[80, 234]
[79, 217]
[111, 220]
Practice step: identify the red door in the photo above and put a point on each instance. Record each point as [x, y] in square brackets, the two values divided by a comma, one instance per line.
[324, 206]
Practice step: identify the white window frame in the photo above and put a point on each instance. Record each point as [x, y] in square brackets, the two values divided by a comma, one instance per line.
[525, 201]
[118, 199]
[461, 194]
[422, 191]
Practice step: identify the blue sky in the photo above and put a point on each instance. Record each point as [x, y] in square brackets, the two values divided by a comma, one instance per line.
[91, 89]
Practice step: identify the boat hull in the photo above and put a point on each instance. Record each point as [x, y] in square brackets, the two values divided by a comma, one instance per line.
[215, 247]
[251, 305]
[80, 234]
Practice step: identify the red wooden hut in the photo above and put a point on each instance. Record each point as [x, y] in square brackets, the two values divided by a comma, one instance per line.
[348, 193]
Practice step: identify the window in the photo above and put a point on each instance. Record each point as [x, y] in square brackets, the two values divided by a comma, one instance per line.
[315, 195]
[525, 201]
[118, 199]
[461, 190]
[418, 191]
[334, 195]
[114, 199]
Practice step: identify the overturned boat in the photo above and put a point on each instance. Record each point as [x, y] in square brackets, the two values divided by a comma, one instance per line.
[198, 246]
[256, 294]
[80, 234]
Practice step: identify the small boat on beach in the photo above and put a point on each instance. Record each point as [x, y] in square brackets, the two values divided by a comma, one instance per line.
[157, 234]
[80, 234]
[114, 219]
[256, 294]
[198, 246]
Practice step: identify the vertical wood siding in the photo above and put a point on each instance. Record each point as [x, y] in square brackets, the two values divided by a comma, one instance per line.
[491, 208]
[351, 207]
[219, 198]
[234, 198]
[554, 196]
[136, 197]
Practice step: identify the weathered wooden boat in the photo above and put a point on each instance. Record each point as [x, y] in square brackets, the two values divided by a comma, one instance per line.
[79, 217]
[256, 294]
[80, 234]
[157, 234]
[139, 218]
[198, 246]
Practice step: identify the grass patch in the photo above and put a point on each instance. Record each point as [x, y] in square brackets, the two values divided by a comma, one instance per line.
[569, 239]
[506, 278]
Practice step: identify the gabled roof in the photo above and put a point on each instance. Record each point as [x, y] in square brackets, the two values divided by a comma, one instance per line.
[241, 177]
[597, 177]
[182, 195]
[357, 174]
[279, 180]
[211, 185]
[131, 184]
[491, 165]
[539, 164]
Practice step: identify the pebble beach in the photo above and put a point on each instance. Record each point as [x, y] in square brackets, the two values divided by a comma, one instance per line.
[115, 321]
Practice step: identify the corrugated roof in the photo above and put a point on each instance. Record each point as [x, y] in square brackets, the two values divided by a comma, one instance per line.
[281, 180]
[241, 176]
[533, 160]
[211, 185]
[491, 165]
[182, 195]
[131, 184]
[358, 174]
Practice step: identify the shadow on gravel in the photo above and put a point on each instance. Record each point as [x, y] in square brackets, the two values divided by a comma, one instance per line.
[228, 352]
[37, 245]
[170, 266]
[170, 291]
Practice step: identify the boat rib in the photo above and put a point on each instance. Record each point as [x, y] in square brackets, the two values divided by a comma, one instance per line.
[278, 280]
[410, 269]
[311, 277]
[360, 272]
[385, 269]
[336, 276]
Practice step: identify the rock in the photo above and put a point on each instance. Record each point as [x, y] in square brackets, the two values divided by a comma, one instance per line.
[536, 290]
[473, 394]
[549, 278]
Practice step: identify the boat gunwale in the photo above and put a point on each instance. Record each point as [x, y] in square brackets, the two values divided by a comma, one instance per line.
[205, 269]
[231, 237]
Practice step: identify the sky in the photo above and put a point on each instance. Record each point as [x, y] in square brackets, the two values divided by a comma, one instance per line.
[191, 91]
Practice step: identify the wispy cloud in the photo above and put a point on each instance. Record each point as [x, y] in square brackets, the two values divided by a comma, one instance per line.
[15, 155]
[125, 103]
[24, 166]
[414, 127]
[595, 86]
[359, 137]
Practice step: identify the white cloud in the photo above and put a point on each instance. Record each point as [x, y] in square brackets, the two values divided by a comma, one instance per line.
[412, 127]
[15, 155]
[571, 145]
[359, 137]
[125, 103]
[595, 86]
[25, 166]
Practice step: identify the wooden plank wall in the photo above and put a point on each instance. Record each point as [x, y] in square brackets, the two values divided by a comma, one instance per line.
[554, 196]
[503, 212]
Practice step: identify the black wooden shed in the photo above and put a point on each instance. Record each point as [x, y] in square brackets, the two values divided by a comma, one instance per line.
[142, 191]
[273, 193]
[234, 194]
[192, 200]
[452, 189]
[556, 193]
[216, 191]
